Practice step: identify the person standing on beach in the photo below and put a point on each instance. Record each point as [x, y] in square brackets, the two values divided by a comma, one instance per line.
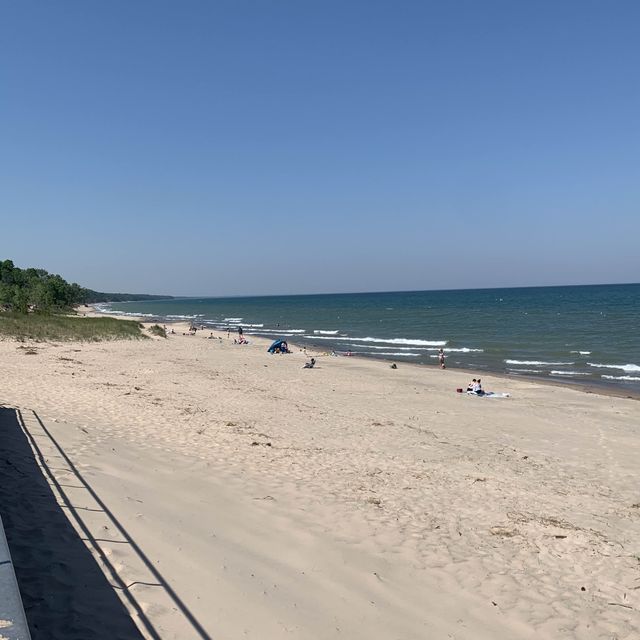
[441, 357]
[240, 334]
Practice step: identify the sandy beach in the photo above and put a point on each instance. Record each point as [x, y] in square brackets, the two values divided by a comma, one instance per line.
[222, 492]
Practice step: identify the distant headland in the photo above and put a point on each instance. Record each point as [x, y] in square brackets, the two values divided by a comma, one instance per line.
[22, 290]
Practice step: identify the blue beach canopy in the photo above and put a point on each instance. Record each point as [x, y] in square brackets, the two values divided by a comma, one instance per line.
[277, 345]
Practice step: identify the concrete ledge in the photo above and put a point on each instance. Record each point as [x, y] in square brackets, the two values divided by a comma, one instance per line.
[13, 622]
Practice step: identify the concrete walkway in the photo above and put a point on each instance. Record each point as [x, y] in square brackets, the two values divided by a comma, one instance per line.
[13, 623]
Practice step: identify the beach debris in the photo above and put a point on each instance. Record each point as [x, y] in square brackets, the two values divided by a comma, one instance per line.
[261, 444]
[265, 498]
[394, 366]
[375, 501]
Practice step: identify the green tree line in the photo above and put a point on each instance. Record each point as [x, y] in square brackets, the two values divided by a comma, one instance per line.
[37, 289]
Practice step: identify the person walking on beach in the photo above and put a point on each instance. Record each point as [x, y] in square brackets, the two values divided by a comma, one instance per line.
[441, 357]
[240, 334]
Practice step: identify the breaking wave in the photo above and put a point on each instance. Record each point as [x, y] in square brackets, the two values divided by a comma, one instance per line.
[538, 362]
[625, 367]
[408, 341]
[377, 353]
[570, 373]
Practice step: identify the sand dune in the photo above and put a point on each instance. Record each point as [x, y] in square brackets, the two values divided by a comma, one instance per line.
[348, 500]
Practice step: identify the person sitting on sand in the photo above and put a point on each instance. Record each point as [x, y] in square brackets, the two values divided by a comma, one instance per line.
[477, 388]
[310, 364]
[471, 385]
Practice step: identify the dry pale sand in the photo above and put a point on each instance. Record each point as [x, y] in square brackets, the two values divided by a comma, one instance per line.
[226, 493]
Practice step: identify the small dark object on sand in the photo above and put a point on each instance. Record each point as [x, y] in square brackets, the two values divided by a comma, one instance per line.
[394, 366]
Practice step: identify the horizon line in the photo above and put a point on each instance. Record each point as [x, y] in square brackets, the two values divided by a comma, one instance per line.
[351, 293]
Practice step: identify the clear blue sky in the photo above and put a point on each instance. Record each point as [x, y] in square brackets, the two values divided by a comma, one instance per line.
[213, 148]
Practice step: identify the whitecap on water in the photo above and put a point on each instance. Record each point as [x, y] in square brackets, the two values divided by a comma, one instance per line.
[570, 373]
[395, 341]
[539, 363]
[625, 367]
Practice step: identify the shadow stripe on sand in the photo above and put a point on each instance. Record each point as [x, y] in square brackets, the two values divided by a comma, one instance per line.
[65, 592]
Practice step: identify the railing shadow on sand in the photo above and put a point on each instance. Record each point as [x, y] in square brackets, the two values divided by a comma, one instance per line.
[65, 591]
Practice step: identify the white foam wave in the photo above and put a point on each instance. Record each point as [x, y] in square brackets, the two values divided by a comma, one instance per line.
[625, 367]
[417, 343]
[373, 346]
[130, 314]
[274, 331]
[232, 320]
[570, 373]
[525, 370]
[178, 317]
[582, 353]
[538, 362]
[389, 353]
[325, 333]
[451, 350]
[630, 378]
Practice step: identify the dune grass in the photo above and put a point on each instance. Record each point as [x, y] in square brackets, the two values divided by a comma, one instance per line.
[157, 330]
[44, 327]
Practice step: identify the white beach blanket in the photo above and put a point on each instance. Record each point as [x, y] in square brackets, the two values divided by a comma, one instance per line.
[489, 394]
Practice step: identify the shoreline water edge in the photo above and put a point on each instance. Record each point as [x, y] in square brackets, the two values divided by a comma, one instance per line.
[317, 351]
[546, 334]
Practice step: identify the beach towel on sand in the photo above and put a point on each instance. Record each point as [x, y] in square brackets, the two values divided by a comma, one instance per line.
[489, 394]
